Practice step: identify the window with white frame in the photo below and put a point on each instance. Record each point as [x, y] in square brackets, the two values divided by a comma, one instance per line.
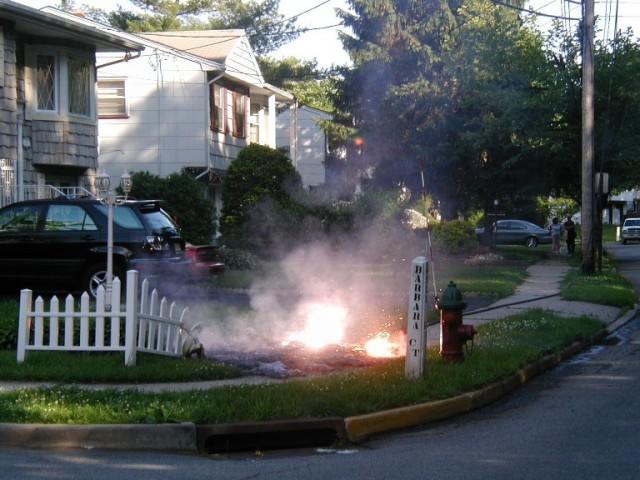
[46, 82]
[79, 85]
[228, 109]
[63, 82]
[217, 108]
[254, 123]
[112, 100]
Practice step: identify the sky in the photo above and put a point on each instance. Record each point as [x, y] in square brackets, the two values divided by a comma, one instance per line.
[628, 14]
[322, 42]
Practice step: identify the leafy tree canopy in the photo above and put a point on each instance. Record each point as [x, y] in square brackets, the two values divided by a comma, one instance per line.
[258, 181]
[313, 87]
[616, 106]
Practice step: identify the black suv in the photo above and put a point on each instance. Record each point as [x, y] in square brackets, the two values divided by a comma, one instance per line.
[59, 244]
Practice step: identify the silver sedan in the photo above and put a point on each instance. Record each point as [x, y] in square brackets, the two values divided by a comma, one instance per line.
[516, 232]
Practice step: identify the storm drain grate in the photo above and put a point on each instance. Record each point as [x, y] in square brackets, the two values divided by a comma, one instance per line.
[264, 436]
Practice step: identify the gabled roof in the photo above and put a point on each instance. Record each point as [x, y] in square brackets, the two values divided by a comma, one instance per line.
[316, 111]
[144, 42]
[215, 45]
[37, 23]
[230, 48]
[225, 51]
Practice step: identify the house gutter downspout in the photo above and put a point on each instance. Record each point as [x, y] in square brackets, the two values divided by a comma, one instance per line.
[20, 161]
[295, 133]
[126, 58]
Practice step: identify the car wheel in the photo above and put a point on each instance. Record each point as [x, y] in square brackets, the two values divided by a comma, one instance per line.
[531, 242]
[96, 275]
[624, 242]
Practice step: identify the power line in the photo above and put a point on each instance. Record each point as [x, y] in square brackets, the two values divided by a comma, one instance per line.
[531, 11]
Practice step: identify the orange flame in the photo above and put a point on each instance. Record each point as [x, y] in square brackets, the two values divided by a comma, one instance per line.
[324, 325]
[383, 345]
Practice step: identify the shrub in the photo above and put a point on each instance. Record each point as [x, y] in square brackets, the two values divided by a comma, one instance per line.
[185, 202]
[256, 183]
[8, 325]
[454, 237]
[235, 259]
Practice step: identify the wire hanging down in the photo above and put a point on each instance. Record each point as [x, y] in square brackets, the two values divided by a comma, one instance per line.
[429, 245]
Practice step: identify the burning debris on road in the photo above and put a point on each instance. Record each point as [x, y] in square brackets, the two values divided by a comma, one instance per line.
[297, 359]
[320, 345]
[317, 314]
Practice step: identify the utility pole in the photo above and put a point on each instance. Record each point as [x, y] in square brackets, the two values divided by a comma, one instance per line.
[587, 212]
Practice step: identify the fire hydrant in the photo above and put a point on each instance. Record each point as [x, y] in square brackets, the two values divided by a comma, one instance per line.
[453, 334]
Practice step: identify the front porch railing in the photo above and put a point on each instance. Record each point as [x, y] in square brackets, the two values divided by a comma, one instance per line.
[15, 193]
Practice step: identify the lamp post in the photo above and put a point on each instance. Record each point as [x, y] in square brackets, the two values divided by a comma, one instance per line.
[108, 196]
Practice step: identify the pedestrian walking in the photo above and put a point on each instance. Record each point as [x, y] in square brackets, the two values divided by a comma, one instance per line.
[556, 230]
[570, 229]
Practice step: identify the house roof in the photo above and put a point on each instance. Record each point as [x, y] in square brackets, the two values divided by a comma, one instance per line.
[144, 42]
[215, 45]
[316, 111]
[230, 48]
[228, 51]
[37, 23]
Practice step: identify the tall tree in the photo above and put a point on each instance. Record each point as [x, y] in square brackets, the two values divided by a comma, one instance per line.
[311, 85]
[490, 149]
[397, 91]
[617, 105]
[452, 86]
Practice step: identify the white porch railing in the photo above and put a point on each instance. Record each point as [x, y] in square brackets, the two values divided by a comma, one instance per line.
[13, 193]
[145, 323]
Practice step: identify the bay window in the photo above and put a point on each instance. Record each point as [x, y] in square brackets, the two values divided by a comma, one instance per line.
[45, 82]
[79, 85]
[63, 82]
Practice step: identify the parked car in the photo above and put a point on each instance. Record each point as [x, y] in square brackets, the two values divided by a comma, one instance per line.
[630, 230]
[516, 232]
[205, 261]
[58, 244]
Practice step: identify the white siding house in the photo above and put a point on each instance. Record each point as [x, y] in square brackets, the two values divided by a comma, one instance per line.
[192, 100]
[152, 114]
[306, 142]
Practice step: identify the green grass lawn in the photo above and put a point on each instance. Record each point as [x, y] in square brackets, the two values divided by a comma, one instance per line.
[500, 348]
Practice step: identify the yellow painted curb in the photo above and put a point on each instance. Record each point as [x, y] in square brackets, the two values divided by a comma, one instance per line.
[362, 426]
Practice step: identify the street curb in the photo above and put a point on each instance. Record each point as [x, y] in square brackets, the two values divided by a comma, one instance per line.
[620, 322]
[361, 427]
[166, 437]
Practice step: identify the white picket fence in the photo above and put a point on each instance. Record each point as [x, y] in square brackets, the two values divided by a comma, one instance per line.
[145, 323]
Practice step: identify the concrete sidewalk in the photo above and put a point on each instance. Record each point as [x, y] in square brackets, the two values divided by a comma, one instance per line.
[540, 290]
